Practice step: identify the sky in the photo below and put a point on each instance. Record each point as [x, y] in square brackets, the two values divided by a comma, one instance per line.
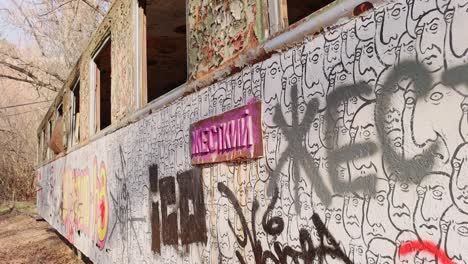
[8, 32]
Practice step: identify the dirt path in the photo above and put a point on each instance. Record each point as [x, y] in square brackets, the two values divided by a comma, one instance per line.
[25, 240]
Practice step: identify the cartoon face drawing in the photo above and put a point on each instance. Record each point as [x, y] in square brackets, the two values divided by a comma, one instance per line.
[352, 215]
[440, 129]
[391, 24]
[289, 82]
[205, 103]
[247, 93]
[456, 16]
[402, 238]
[332, 58]
[454, 226]
[421, 7]
[357, 251]
[377, 225]
[365, 27]
[423, 257]
[402, 203]
[225, 236]
[433, 200]
[459, 179]
[304, 219]
[430, 31]
[392, 118]
[313, 137]
[258, 77]
[180, 149]
[380, 251]
[319, 207]
[351, 106]
[263, 174]
[272, 142]
[218, 98]
[271, 89]
[314, 79]
[350, 41]
[362, 131]
[406, 49]
[334, 223]
[367, 66]
[237, 88]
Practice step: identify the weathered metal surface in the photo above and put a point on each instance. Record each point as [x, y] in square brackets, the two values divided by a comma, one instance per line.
[219, 31]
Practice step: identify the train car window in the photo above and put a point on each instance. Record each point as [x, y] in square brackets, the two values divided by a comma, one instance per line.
[166, 48]
[75, 114]
[102, 79]
[298, 9]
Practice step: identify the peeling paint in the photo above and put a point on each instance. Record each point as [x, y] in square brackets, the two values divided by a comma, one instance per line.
[220, 31]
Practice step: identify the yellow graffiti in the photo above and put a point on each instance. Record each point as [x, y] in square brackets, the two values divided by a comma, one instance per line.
[76, 201]
[101, 202]
[82, 201]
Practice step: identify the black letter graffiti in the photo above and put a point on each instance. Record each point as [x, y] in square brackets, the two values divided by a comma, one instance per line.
[155, 225]
[169, 220]
[274, 226]
[192, 207]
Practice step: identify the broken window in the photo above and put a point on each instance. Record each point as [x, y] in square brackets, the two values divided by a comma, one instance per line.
[166, 49]
[57, 142]
[75, 114]
[102, 82]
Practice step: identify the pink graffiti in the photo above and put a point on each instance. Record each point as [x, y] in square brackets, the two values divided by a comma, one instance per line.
[234, 134]
[224, 135]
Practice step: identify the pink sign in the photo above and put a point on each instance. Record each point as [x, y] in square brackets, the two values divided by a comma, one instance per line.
[234, 135]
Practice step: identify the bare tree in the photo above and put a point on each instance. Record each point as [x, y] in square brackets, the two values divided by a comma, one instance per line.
[54, 34]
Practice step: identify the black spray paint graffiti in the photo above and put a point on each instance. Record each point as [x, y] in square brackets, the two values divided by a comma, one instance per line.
[165, 213]
[274, 226]
[123, 207]
[401, 169]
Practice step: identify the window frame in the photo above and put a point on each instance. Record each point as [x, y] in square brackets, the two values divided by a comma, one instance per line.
[95, 106]
[73, 113]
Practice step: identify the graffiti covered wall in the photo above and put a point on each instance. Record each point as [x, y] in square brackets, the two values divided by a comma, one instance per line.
[365, 132]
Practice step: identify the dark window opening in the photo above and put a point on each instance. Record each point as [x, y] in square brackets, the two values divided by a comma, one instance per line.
[75, 114]
[49, 138]
[76, 98]
[60, 110]
[57, 139]
[103, 86]
[298, 9]
[42, 149]
[166, 50]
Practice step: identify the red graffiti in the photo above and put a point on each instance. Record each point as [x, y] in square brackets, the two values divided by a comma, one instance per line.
[102, 209]
[427, 246]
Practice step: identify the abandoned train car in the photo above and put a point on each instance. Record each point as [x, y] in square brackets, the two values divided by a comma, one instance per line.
[264, 131]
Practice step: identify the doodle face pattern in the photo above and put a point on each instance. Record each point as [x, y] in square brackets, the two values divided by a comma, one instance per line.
[364, 132]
